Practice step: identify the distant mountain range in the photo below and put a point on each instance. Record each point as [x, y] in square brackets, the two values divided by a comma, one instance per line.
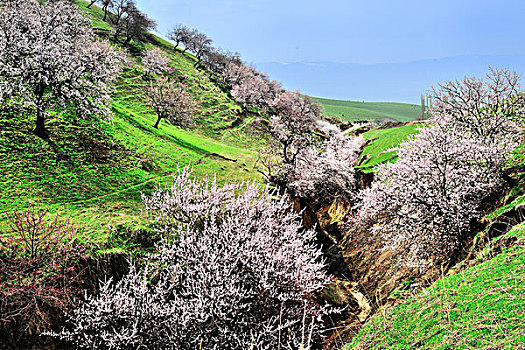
[399, 82]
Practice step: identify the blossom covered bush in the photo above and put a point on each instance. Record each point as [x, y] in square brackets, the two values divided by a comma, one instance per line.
[424, 203]
[328, 173]
[155, 62]
[235, 270]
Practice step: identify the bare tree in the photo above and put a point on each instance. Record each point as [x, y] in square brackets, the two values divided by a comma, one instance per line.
[106, 6]
[133, 23]
[179, 34]
[198, 44]
[119, 8]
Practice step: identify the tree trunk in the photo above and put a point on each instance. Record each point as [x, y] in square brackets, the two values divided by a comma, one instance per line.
[91, 3]
[40, 129]
[156, 126]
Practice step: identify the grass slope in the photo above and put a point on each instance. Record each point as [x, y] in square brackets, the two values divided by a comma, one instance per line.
[94, 173]
[482, 307]
[356, 110]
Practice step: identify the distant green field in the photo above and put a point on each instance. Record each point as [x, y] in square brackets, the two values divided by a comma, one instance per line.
[356, 110]
[380, 141]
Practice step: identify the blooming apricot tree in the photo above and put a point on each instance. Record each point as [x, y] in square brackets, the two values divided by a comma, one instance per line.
[327, 173]
[424, 203]
[235, 270]
[294, 118]
[49, 58]
[155, 62]
[486, 108]
[171, 101]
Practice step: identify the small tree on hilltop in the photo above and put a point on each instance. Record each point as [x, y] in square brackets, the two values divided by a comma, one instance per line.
[120, 8]
[217, 60]
[50, 58]
[133, 24]
[171, 101]
[179, 34]
[198, 43]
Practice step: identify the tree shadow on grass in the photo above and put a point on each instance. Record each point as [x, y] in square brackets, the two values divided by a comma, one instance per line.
[165, 136]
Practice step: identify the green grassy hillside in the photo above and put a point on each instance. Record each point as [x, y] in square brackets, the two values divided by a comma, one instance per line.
[94, 173]
[355, 110]
[482, 307]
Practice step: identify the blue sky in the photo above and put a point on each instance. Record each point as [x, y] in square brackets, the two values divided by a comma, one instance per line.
[364, 31]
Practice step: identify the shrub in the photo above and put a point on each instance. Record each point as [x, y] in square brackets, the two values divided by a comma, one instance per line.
[40, 270]
[234, 271]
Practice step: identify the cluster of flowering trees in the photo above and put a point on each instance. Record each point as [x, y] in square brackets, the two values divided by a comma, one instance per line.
[424, 203]
[49, 58]
[293, 159]
[235, 270]
[298, 160]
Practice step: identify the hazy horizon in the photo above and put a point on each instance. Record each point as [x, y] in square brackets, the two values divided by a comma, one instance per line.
[351, 33]
[383, 82]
